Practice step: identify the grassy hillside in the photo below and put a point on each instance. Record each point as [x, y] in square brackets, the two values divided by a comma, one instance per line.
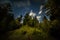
[27, 33]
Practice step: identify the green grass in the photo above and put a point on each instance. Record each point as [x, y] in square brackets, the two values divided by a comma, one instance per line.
[25, 33]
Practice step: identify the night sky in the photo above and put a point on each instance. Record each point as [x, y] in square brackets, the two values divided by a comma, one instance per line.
[20, 7]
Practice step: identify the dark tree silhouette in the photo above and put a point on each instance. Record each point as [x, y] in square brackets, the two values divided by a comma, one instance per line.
[54, 5]
[7, 21]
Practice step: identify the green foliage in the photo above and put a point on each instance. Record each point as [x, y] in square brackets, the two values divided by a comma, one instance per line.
[27, 18]
[54, 31]
[29, 21]
[19, 18]
[32, 30]
[54, 5]
[27, 33]
[7, 21]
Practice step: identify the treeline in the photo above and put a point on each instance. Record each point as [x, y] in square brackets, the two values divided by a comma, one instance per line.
[7, 21]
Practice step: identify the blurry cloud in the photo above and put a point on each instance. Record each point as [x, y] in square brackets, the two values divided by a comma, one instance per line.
[40, 12]
[41, 7]
[39, 18]
[4, 1]
[32, 14]
[47, 11]
[41, 1]
[22, 3]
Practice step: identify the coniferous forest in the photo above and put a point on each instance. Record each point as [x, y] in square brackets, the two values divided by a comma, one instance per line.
[30, 29]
